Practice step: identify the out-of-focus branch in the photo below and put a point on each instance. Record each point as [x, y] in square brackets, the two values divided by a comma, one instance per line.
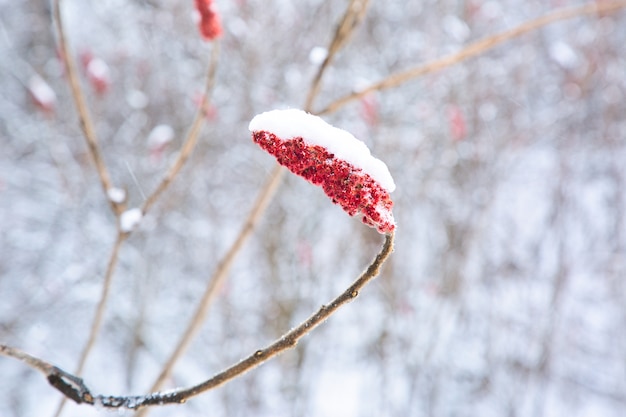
[192, 136]
[219, 276]
[104, 296]
[351, 19]
[83, 112]
[90, 135]
[74, 388]
[96, 324]
[477, 48]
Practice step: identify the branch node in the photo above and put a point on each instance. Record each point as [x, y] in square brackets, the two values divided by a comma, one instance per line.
[70, 386]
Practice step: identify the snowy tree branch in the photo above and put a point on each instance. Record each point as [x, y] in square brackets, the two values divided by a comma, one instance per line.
[477, 48]
[74, 388]
[86, 123]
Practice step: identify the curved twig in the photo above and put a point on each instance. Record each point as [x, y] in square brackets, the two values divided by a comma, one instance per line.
[219, 276]
[476, 48]
[74, 388]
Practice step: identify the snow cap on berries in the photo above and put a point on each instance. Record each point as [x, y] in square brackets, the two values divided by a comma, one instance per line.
[332, 159]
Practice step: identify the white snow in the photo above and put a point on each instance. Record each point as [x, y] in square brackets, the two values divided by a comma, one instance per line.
[137, 99]
[456, 28]
[42, 92]
[292, 123]
[98, 68]
[317, 55]
[116, 195]
[130, 219]
[160, 135]
[564, 55]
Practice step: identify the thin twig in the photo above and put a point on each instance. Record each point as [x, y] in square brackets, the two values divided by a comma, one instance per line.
[96, 324]
[192, 136]
[86, 123]
[476, 48]
[74, 388]
[31, 361]
[352, 18]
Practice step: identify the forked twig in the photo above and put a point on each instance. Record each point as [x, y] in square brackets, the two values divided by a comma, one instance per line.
[92, 141]
[74, 388]
[352, 18]
[86, 123]
[475, 49]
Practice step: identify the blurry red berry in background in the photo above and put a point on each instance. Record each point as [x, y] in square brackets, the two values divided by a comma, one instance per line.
[97, 71]
[42, 94]
[158, 139]
[458, 129]
[208, 20]
[99, 75]
[369, 109]
[210, 111]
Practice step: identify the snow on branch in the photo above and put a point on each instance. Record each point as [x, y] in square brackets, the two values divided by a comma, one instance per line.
[332, 159]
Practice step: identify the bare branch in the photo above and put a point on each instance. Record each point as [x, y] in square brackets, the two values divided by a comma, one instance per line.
[31, 361]
[477, 48]
[96, 324]
[74, 388]
[351, 19]
[192, 136]
[86, 123]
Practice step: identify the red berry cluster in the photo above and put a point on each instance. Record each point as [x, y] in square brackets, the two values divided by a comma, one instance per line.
[210, 24]
[354, 190]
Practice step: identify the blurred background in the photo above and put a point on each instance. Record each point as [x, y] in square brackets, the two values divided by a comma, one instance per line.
[505, 296]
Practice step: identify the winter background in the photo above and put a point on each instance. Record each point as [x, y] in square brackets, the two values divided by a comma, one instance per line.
[506, 293]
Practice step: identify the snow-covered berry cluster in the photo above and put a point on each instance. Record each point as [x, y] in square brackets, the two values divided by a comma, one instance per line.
[345, 182]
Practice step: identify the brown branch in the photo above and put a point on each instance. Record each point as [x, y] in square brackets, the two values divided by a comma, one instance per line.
[96, 324]
[351, 19]
[33, 362]
[104, 296]
[219, 276]
[86, 123]
[477, 48]
[192, 136]
[74, 388]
